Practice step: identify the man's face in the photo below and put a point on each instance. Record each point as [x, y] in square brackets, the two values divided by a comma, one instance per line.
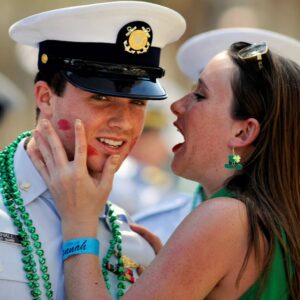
[112, 124]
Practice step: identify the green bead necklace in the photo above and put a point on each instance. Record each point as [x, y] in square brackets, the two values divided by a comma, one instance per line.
[32, 247]
[115, 249]
[32, 252]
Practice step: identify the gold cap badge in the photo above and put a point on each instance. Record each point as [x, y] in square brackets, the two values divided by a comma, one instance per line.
[138, 37]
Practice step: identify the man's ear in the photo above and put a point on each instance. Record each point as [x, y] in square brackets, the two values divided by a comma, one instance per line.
[245, 133]
[43, 98]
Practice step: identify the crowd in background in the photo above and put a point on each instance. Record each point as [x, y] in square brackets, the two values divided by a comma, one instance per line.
[17, 64]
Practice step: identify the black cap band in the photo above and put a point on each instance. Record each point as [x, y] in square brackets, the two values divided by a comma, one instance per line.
[101, 52]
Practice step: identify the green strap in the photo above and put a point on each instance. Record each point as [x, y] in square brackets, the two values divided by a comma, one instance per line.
[223, 193]
[276, 284]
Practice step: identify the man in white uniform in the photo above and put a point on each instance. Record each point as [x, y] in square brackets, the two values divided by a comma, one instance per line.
[192, 57]
[98, 63]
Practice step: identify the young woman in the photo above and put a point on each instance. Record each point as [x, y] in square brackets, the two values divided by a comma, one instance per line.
[243, 241]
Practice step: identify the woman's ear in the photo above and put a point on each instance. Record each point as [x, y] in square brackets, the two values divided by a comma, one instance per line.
[43, 98]
[246, 131]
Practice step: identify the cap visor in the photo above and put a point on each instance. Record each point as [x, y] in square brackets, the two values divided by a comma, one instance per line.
[134, 88]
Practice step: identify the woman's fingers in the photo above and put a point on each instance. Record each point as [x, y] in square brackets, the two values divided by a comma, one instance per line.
[43, 147]
[80, 196]
[38, 160]
[58, 152]
[149, 236]
[80, 146]
[110, 167]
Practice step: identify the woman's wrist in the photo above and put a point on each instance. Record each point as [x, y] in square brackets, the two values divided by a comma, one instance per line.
[74, 230]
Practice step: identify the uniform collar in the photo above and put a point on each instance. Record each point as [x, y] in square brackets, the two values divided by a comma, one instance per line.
[30, 183]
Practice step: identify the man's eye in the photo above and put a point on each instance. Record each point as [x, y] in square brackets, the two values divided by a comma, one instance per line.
[199, 97]
[139, 102]
[100, 97]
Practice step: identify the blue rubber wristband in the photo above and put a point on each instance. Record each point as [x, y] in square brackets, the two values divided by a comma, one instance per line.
[80, 246]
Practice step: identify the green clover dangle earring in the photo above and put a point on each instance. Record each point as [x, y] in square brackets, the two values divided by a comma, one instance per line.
[233, 161]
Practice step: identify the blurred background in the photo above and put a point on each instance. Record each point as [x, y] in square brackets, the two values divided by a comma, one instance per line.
[18, 66]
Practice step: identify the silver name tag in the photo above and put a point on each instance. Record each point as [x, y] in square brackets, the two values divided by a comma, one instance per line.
[10, 238]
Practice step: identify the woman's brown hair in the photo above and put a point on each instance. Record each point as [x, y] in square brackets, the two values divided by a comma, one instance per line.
[270, 180]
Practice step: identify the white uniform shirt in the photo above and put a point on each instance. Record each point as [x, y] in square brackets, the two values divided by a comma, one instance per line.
[164, 218]
[42, 210]
[138, 186]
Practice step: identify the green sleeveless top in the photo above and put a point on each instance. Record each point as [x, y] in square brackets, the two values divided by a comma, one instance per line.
[276, 282]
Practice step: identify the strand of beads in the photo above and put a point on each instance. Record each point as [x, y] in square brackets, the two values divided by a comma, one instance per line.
[115, 249]
[29, 238]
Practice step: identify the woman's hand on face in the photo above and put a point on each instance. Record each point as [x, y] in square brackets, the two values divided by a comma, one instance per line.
[79, 196]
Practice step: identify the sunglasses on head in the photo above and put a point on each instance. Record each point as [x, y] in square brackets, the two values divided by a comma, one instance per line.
[254, 51]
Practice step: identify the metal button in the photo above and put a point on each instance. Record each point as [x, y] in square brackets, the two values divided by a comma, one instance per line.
[25, 186]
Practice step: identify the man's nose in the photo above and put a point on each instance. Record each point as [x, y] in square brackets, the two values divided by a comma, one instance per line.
[121, 117]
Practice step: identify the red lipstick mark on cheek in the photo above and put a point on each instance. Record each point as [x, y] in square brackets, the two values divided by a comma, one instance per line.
[91, 150]
[63, 124]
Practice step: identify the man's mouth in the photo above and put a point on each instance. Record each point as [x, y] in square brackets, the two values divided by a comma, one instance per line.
[111, 143]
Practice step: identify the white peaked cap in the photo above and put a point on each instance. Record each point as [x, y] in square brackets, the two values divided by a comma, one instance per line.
[99, 22]
[117, 44]
[196, 52]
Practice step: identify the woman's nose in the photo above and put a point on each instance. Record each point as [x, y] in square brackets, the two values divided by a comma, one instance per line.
[178, 106]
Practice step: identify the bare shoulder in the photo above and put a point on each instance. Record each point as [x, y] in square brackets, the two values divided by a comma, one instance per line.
[216, 214]
[218, 231]
[206, 248]
[224, 207]
[222, 203]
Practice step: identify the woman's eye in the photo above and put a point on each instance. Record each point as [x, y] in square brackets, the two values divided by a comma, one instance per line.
[199, 96]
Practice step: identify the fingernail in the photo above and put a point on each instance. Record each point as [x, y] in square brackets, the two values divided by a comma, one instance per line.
[115, 159]
[78, 123]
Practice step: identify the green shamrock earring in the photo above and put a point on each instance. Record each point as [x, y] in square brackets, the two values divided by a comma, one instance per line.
[233, 161]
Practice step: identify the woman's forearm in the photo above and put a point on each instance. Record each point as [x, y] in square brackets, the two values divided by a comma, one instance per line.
[83, 278]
